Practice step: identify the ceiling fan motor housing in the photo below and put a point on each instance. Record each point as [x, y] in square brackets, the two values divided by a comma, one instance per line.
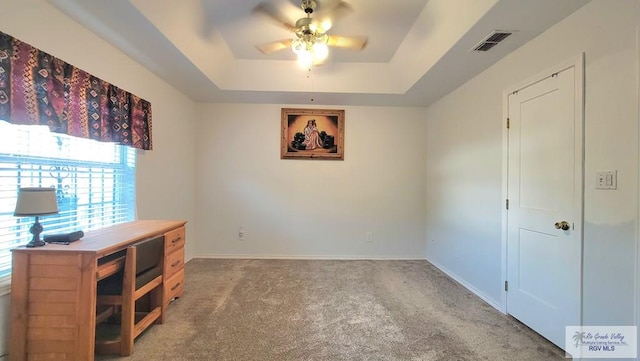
[308, 27]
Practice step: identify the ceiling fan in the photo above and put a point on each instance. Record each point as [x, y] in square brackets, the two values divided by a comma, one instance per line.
[311, 40]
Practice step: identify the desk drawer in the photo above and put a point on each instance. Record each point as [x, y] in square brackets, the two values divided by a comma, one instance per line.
[174, 240]
[174, 286]
[173, 263]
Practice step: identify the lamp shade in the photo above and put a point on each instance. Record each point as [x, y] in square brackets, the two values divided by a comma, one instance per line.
[36, 202]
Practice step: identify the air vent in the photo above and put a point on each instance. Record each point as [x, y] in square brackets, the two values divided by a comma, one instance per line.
[491, 40]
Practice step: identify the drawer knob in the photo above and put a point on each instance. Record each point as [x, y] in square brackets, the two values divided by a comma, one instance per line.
[176, 286]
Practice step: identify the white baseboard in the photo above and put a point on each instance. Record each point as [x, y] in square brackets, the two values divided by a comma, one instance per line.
[310, 257]
[466, 285]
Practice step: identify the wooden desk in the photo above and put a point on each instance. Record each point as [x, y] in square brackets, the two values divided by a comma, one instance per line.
[53, 288]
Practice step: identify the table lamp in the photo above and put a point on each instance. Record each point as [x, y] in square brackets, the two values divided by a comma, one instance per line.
[36, 202]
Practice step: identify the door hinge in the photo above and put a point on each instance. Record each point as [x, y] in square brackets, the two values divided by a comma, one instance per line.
[507, 204]
[508, 123]
[506, 285]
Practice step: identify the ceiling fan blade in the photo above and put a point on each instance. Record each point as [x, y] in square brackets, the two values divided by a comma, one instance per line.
[274, 14]
[348, 42]
[331, 14]
[274, 46]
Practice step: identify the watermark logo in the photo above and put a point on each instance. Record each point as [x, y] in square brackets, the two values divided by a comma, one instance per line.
[601, 341]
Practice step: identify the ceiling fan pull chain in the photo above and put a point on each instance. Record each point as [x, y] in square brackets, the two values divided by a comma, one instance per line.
[311, 80]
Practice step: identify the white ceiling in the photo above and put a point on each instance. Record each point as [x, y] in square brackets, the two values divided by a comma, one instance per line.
[418, 50]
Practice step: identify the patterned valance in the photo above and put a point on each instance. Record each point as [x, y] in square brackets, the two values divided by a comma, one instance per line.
[37, 88]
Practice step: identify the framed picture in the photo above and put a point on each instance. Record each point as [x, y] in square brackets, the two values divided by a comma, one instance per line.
[312, 134]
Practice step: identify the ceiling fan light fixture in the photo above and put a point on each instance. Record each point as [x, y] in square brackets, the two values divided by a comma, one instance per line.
[320, 51]
[325, 25]
[305, 59]
[311, 50]
[298, 46]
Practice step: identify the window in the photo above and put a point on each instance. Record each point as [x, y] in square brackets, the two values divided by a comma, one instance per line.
[94, 181]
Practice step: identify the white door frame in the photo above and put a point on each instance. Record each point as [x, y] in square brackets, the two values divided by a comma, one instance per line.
[578, 63]
[637, 266]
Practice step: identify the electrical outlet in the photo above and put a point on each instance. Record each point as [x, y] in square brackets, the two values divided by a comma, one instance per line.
[241, 233]
[369, 237]
[607, 179]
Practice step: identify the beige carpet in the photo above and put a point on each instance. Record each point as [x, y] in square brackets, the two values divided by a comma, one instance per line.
[332, 310]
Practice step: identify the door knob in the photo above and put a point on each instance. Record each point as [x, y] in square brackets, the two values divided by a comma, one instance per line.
[563, 225]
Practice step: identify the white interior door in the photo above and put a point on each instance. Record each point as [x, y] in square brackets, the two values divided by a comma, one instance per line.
[544, 261]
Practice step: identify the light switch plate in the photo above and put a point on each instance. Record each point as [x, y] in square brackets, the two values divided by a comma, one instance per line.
[607, 179]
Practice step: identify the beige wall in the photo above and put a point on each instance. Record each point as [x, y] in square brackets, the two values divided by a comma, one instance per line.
[303, 208]
[464, 153]
[165, 176]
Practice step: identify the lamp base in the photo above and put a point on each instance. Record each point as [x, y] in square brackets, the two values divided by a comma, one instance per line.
[35, 243]
[36, 229]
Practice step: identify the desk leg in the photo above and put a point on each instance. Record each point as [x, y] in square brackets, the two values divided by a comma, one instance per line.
[19, 312]
[53, 306]
[87, 294]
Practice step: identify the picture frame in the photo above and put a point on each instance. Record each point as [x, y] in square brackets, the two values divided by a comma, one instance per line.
[312, 134]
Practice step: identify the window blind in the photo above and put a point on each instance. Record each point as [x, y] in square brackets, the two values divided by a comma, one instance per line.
[94, 182]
